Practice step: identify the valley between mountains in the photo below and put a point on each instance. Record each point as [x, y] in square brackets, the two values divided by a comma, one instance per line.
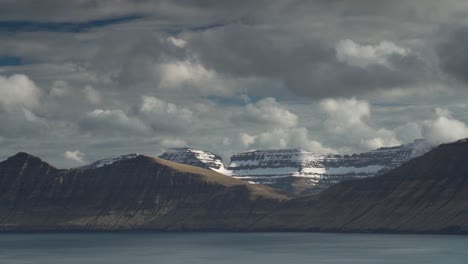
[425, 194]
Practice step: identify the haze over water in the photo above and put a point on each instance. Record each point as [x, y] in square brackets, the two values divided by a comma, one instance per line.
[206, 248]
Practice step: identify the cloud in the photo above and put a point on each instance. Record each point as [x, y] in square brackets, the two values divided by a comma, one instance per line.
[113, 122]
[60, 89]
[246, 140]
[409, 132]
[21, 123]
[92, 95]
[215, 68]
[153, 115]
[285, 138]
[173, 143]
[444, 128]
[382, 138]
[21, 107]
[74, 155]
[452, 52]
[345, 117]
[344, 113]
[187, 13]
[316, 67]
[18, 91]
[267, 111]
[163, 116]
[355, 54]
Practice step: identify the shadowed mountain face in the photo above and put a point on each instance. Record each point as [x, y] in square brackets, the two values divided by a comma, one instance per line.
[426, 194]
[298, 171]
[140, 192]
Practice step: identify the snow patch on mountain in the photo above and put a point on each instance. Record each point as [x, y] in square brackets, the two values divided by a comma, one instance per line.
[281, 168]
[108, 161]
[195, 157]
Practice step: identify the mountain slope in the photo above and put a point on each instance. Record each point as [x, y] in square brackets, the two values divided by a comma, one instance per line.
[299, 171]
[140, 192]
[199, 158]
[427, 194]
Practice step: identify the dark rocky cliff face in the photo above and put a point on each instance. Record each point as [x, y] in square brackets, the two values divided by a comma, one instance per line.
[298, 171]
[137, 193]
[426, 194]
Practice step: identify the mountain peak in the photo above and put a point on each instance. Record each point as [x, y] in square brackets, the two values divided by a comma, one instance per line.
[23, 155]
[465, 140]
[195, 157]
[108, 161]
[297, 170]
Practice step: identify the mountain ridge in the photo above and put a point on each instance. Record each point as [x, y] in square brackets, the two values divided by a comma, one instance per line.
[298, 171]
[143, 192]
[428, 194]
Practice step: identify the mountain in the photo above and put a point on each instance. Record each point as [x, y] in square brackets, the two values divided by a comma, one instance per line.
[199, 158]
[428, 194]
[132, 192]
[299, 171]
[107, 161]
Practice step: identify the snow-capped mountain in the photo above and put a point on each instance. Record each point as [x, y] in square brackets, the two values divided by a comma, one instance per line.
[107, 161]
[195, 157]
[300, 171]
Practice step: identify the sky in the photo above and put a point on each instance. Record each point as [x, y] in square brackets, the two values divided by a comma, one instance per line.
[82, 80]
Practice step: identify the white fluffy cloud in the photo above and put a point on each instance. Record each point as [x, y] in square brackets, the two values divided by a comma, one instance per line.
[344, 113]
[18, 91]
[409, 132]
[246, 140]
[355, 54]
[152, 115]
[20, 102]
[346, 118]
[74, 155]
[285, 138]
[113, 122]
[268, 111]
[444, 128]
[165, 116]
[382, 138]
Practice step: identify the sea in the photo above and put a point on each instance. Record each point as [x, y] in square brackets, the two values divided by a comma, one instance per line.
[238, 248]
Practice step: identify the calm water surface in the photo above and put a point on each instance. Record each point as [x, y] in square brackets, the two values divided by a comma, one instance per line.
[206, 248]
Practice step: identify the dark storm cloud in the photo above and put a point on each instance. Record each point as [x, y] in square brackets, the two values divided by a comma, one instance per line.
[17, 26]
[453, 53]
[192, 13]
[310, 67]
[333, 78]
[120, 76]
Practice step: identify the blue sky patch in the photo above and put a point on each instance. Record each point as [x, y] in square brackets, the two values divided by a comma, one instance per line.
[30, 26]
[10, 61]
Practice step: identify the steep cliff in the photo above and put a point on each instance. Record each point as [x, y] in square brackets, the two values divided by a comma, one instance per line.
[427, 194]
[299, 171]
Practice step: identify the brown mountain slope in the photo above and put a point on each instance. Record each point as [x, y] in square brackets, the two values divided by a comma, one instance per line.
[427, 194]
[141, 193]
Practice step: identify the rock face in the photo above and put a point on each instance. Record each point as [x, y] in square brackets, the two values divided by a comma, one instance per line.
[199, 158]
[134, 192]
[298, 171]
[426, 194]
